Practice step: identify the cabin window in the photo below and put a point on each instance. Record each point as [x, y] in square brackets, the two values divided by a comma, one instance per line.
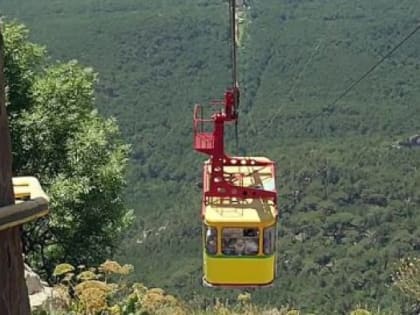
[211, 240]
[240, 241]
[269, 240]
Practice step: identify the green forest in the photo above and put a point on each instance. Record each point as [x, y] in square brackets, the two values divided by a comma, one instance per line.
[347, 180]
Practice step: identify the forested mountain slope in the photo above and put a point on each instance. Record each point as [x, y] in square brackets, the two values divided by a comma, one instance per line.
[349, 199]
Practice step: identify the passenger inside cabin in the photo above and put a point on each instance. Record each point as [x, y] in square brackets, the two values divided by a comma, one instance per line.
[251, 247]
[239, 241]
[229, 246]
[239, 247]
[251, 236]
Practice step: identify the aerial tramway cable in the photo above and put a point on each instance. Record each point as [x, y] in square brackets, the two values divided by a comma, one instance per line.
[376, 65]
[232, 14]
[232, 19]
[329, 109]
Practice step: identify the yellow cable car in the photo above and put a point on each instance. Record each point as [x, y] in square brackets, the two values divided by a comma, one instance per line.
[239, 207]
[240, 234]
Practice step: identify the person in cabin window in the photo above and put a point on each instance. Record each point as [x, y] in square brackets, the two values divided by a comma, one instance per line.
[251, 246]
[229, 246]
[239, 247]
[251, 241]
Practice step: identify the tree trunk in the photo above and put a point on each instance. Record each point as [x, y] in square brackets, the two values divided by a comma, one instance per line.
[13, 291]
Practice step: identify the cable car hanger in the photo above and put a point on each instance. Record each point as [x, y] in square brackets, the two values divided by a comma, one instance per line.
[239, 199]
[212, 143]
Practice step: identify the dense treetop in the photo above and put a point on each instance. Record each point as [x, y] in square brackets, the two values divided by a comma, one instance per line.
[80, 158]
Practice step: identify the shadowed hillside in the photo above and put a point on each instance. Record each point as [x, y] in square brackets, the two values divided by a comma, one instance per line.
[349, 199]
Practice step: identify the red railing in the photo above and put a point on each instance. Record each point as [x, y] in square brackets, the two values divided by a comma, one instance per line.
[203, 133]
[209, 139]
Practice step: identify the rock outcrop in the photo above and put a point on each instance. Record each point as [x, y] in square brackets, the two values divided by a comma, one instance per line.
[38, 290]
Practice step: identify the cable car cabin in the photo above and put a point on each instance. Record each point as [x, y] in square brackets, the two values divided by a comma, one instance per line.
[239, 234]
[239, 208]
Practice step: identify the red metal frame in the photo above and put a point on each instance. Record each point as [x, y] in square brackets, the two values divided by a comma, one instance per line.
[212, 144]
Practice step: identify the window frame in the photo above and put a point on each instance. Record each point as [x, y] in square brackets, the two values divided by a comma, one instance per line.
[273, 246]
[206, 237]
[244, 238]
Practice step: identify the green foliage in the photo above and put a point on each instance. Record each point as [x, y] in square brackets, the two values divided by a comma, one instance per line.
[22, 59]
[74, 294]
[349, 199]
[79, 156]
[407, 277]
[62, 269]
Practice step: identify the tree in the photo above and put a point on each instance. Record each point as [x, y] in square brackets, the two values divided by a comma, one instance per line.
[13, 294]
[78, 156]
